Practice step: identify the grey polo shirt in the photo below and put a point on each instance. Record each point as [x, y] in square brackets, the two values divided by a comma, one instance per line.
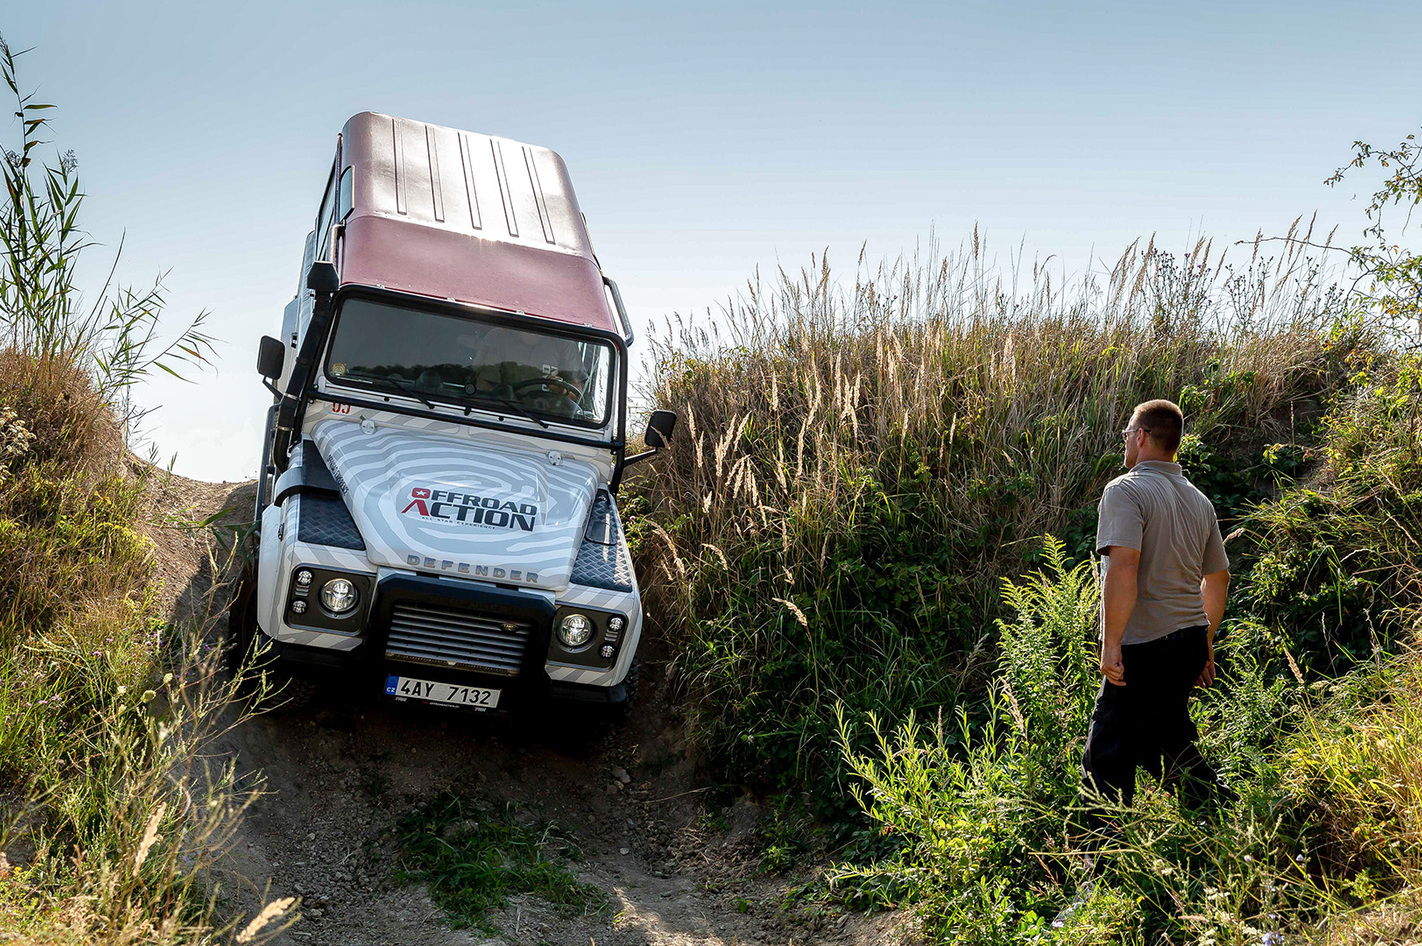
[1155, 510]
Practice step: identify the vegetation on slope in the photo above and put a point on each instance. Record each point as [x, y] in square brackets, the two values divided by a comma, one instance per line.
[1323, 841]
[109, 816]
[858, 468]
[863, 474]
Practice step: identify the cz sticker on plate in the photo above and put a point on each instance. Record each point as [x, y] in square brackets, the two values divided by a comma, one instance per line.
[433, 691]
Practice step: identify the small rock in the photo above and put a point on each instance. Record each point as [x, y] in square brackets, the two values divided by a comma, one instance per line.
[624, 850]
[619, 773]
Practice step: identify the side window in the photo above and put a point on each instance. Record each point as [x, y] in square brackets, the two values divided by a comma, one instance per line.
[326, 218]
[345, 197]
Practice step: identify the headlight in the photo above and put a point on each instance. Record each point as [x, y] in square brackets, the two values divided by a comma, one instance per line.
[338, 595]
[575, 631]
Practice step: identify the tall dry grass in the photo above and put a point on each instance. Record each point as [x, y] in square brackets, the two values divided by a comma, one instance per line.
[862, 461]
[111, 816]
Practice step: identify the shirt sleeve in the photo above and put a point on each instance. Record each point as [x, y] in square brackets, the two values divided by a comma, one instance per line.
[1120, 520]
[1216, 560]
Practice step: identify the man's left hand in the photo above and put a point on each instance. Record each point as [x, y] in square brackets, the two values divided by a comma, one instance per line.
[1207, 676]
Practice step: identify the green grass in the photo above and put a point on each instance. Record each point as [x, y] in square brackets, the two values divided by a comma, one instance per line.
[858, 468]
[472, 858]
[114, 818]
[842, 550]
[1315, 724]
[984, 815]
[104, 707]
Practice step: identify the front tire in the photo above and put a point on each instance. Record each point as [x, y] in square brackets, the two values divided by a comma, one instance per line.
[238, 641]
[261, 683]
[587, 726]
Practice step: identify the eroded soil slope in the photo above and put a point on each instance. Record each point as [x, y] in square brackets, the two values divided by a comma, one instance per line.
[336, 778]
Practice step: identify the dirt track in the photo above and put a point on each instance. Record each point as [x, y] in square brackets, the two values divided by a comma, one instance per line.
[336, 777]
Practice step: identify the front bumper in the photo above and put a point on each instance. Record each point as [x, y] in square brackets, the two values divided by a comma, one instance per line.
[463, 633]
[358, 673]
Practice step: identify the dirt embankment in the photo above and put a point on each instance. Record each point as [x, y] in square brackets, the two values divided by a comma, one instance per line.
[336, 777]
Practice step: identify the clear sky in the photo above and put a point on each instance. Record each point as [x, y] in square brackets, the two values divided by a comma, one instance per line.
[707, 141]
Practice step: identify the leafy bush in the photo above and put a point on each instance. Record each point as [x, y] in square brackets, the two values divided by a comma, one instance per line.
[983, 815]
[1337, 572]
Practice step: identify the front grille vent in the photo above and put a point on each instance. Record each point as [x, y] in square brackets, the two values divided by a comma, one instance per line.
[446, 637]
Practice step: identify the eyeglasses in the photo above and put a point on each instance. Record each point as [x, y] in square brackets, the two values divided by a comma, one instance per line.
[1125, 434]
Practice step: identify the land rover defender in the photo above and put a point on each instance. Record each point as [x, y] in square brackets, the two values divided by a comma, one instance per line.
[436, 515]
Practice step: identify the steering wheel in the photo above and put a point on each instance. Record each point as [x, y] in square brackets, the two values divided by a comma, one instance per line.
[429, 380]
[556, 382]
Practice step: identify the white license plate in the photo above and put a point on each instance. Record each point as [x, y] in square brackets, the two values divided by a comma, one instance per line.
[434, 691]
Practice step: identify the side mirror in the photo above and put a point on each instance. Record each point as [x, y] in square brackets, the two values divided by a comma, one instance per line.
[659, 428]
[271, 357]
[322, 278]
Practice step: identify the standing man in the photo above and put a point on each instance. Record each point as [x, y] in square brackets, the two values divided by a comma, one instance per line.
[1166, 577]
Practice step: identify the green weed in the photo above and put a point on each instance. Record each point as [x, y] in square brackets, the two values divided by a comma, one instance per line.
[472, 858]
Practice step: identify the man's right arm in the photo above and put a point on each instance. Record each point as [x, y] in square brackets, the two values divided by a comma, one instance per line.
[1120, 529]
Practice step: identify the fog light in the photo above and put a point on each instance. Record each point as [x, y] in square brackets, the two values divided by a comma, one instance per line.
[575, 630]
[607, 651]
[298, 607]
[303, 578]
[338, 595]
[614, 624]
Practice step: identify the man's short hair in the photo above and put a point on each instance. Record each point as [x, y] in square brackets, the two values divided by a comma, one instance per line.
[1164, 420]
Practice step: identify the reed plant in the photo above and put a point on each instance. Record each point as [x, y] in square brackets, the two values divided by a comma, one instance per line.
[115, 336]
[862, 460]
[112, 819]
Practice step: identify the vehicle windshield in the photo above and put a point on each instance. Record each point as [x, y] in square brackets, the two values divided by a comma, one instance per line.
[471, 363]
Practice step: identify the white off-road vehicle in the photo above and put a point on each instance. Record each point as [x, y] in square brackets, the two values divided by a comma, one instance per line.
[436, 517]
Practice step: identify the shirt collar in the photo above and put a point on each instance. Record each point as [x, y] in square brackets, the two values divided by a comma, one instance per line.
[1159, 466]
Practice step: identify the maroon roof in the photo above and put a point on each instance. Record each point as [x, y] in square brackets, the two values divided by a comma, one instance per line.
[457, 215]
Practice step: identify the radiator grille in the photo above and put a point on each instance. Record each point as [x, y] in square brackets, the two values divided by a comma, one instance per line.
[430, 634]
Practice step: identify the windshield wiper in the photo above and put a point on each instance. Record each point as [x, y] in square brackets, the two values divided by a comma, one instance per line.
[411, 390]
[406, 386]
[517, 408]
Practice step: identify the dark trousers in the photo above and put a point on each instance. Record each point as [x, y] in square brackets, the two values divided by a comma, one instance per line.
[1147, 723]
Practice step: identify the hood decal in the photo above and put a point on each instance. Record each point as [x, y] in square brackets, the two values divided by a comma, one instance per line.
[448, 505]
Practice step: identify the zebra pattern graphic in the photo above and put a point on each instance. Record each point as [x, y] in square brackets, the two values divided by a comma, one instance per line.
[440, 504]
